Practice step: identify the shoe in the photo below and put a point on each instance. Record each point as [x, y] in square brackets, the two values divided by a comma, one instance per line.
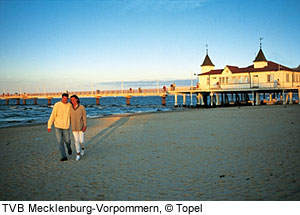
[64, 159]
[82, 152]
[70, 151]
[78, 157]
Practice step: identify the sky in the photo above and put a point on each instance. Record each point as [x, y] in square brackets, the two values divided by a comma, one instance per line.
[82, 45]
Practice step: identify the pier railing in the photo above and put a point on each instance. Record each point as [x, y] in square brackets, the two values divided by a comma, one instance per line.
[97, 93]
[88, 94]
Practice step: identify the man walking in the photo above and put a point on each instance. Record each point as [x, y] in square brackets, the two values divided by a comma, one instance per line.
[61, 117]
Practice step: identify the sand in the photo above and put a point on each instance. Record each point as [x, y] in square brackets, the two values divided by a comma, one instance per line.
[247, 153]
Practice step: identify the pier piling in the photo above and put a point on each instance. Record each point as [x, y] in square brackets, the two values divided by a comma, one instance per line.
[128, 100]
[98, 100]
[163, 100]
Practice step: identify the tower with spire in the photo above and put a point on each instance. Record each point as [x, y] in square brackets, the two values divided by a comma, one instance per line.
[260, 60]
[207, 65]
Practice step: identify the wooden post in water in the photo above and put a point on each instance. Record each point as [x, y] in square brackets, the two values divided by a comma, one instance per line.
[18, 101]
[283, 98]
[198, 99]
[257, 98]
[237, 99]
[291, 97]
[176, 104]
[7, 101]
[49, 100]
[211, 99]
[35, 101]
[163, 100]
[226, 99]
[217, 99]
[24, 102]
[184, 100]
[98, 100]
[128, 100]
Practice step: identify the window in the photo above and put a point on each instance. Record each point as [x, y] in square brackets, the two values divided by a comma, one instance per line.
[287, 77]
[208, 81]
[226, 80]
[293, 77]
[240, 79]
[270, 78]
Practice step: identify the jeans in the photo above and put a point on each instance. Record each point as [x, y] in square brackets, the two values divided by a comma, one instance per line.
[63, 136]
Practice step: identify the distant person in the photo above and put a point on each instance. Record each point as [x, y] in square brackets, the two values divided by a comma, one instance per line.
[61, 117]
[78, 122]
[276, 83]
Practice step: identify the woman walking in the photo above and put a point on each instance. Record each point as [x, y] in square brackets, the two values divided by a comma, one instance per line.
[78, 122]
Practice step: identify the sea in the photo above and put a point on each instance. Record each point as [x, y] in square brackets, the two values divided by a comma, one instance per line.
[30, 114]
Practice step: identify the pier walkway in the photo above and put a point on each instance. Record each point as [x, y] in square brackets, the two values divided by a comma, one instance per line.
[214, 96]
[88, 94]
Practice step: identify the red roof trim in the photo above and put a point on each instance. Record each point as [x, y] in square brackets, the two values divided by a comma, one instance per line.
[234, 69]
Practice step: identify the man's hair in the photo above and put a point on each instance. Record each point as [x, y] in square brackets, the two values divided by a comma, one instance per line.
[65, 94]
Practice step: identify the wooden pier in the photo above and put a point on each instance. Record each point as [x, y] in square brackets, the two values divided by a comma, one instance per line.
[205, 97]
[163, 93]
[238, 96]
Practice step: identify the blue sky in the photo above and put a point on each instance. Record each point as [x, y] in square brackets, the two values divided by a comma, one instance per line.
[78, 45]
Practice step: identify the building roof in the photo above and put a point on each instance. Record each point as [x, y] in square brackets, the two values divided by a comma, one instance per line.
[297, 68]
[260, 56]
[234, 69]
[207, 61]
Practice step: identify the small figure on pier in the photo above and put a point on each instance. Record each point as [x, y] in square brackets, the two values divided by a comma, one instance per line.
[276, 83]
[164, 88]
[173, 86]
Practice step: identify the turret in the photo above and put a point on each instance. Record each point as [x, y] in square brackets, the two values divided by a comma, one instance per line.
[260, 60]
[207, 65]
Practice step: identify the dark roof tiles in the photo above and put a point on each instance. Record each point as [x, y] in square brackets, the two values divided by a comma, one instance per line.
[260, 56]
[207, 61]
[234, 69]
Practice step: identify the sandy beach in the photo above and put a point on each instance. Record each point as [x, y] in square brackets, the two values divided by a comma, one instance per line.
[247, 153]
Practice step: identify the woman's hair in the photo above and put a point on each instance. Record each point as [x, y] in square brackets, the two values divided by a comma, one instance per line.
[76, 97]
